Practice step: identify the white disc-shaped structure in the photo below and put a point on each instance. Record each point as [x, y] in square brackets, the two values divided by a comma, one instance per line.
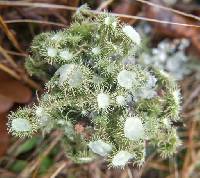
[21, 125]
[70, 73]
[132, 34]
[103, 100]
[100, 147]
[133, 128]
[121, 158]
[126, 79]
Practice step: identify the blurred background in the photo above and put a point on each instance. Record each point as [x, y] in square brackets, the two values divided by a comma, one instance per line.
[170, 31]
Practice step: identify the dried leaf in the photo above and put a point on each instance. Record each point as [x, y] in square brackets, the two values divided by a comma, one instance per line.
[127, 7]
[4, 76]
[5, 139]
[5, 104]
[73, 3]
[14, 90]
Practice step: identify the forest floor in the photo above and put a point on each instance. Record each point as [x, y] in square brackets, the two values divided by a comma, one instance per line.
[44, 157]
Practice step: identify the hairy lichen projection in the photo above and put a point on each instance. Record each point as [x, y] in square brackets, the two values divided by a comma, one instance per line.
[105, 104]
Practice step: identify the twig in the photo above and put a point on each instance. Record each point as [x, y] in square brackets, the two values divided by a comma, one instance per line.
[12, 153]
[18, 77]
[35, 163]
[5, 173]
[13, 73]
[194, 94]
[32, 83]
[158, 166]
[16, 53]
[147, 161]
[59, 169]
[129, 172]
[9, 34]
[9, 71]
[154, 20]
[169, 9]
[105, 4]
[189, 158]
[8, 57]
[55, 6]
[35, 21]
[37, 5]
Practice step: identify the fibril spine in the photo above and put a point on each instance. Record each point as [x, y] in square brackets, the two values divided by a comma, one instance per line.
[105, 104]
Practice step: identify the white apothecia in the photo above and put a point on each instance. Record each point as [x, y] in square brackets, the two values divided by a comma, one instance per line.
[51, 52]
[177, 96]
[42, 115]
[100, 147]
[103, 100]
[56, 37]
[66, 55]
[97, 79]
[114, 24]
[76, 78]
[132, 34]
[121, 100]
[147, 93]
[133, 128]
[121, 158]
[167, 122]
[126, 79]
[21, 125]
[169, 56]
[110, 21]
[96, 50]
[70, 73]
[151, 81]
[65, 71]
[107, 21]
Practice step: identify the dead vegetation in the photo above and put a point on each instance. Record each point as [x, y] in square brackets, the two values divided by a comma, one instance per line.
[45, 157]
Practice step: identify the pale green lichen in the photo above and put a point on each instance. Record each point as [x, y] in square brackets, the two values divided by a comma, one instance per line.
[104, 103]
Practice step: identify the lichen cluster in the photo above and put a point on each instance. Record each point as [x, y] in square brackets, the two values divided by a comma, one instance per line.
[105, 105]
[170, 56]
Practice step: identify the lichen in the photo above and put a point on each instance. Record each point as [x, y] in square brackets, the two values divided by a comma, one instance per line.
[104, 103]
